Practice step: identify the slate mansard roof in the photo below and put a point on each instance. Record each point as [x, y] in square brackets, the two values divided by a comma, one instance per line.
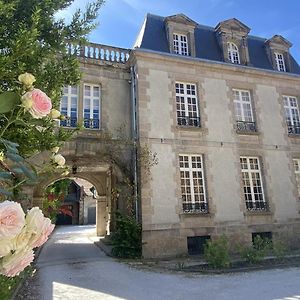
[153, 37]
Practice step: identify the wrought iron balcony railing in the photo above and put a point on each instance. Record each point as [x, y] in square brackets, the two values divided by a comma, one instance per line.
[257, 206]
[199, 207]
[244, 126]
[91, 123]
[293, 129]
[188, 121]
[69, 122]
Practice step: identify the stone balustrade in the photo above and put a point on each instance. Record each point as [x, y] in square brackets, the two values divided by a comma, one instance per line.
[100, 52]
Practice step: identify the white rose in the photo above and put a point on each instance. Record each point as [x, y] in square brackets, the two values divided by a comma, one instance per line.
[27, 79]
[34, 220]
[54, 113]
[23, 239]
[15, 263]
[55, 149]
[59, 160]
[6, 245]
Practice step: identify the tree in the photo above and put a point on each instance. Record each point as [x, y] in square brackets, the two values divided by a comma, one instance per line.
[33, 41]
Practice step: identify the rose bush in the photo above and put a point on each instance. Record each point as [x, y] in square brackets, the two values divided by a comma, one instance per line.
[20, 233]
[16, 251]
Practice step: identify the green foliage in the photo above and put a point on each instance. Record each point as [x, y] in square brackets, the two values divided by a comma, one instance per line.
[216, 253]
[256, 252]
[16, 171]
[127, 239]
[8, 100]
[54, 197]
[32, 40]
[280, 249]
[9, 284]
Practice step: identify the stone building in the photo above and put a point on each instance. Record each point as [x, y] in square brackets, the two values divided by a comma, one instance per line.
[219, 107]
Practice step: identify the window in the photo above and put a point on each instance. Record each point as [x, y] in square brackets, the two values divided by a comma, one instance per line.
[252, 183]
[279, 58]
[233, 53]
[196, 244]
[180, 44]
[91, 106]
[292, 114]
[187, 105]
[68, 106]
[296, 162]
[243, 111]
[192, 183]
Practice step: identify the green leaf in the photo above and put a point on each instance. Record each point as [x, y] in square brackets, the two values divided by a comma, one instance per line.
[5, 175]
[5, 192]
[27, 172]
[14, 157]
[7, 101]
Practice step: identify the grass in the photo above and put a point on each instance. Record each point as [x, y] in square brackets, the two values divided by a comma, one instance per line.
[8, 285]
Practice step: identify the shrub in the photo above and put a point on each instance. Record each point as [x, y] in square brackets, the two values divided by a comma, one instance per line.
[216, 253]
[280, 249]
[127, 239]
[257, 252]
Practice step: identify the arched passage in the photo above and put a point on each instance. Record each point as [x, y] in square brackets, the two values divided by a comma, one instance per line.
[101, 179]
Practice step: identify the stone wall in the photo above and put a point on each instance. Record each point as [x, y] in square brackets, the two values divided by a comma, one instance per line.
[165, 226]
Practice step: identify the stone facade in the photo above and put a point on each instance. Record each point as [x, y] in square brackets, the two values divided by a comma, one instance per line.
[165, 226]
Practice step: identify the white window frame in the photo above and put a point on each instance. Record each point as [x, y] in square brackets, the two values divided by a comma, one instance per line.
[233, 53]
[187, 107]
[296, 163]
[91, 98]
[189, 196]
[180, 44]
[250, 171]
[69, 96]
[241, 100]
[292, 115]
[280, 63]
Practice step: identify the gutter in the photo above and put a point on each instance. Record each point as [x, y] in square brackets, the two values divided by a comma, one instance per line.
[134, 112]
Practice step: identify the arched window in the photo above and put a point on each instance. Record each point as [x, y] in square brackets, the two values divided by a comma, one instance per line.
[233, 53]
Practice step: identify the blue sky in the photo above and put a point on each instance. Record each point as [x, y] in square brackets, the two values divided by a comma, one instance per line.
[120, 20]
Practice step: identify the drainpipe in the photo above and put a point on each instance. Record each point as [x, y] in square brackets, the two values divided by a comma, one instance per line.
[134, 112]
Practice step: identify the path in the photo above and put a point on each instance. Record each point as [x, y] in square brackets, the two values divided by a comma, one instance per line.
[71, 267]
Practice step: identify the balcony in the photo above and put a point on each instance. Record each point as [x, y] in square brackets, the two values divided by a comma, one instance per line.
[245, 127]
[91, 123]
[188, 121]
[257, 206]
[100, 52]
[293, 129]
[69, 122]
[199, 207]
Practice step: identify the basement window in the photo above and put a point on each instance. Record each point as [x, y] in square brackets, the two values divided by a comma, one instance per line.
[196, 244]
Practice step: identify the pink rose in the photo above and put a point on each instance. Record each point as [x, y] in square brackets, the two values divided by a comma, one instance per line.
[37, 103]
[42, 237]
[39, 226]
[12, 219]
[15, 263]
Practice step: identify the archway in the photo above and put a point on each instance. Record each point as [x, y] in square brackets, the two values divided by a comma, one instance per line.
[100, 179]
[74, 199]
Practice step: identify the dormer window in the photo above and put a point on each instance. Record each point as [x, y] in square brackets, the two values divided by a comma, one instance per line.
[180, 34]
[233, 53]
[180, 44]
[279, 58]
[278, 53]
